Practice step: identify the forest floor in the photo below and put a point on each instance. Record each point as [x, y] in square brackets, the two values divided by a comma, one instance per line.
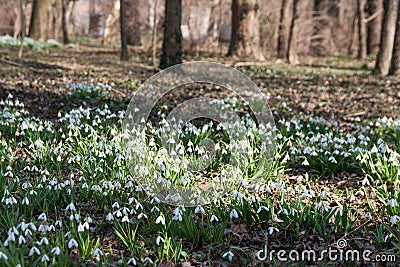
[335, 176]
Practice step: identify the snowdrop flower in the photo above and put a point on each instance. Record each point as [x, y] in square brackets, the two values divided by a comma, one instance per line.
[159, 239]
[45, 258]
[161, 220]
[34, 250]
[72, 243]
[115, 205]
[25, 201]
[228, 255]
[394, 219]
[132, 261]
[305, 162]
[199, 209]
[3, 256]
[214, 218]
[392, 203]
[42, 217]
[21, 240]
[234, 214]
[43, 240]
[271, 230]
[81, 228]
[125, 219]
[147, 260]
[56, 251]
[98, 251]
[71, 207]
[262, 208]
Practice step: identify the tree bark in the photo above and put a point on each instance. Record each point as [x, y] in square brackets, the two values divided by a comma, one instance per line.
[283, 31]
[154, 35]
[395, 64]
[374, 8]
[111, 21]
[124, 43]
[292, 51]
[22, 13]
[94, 19]
[132, 22]
[172, 40]
[64, 22]
[245, 37]
[39, 18]
[211, 22]
[387, 37]
[362, 31]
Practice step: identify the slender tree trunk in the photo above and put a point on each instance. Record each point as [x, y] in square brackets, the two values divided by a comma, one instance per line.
[387, 38]
[211, 22]
[132, 22]
[94, 19]
[39, 19]
[64, 22]
[395, 64]
[172, 40]
[283, 31]
[111, 20]
[362, 31]
[352, 35]
[292, 51]
[245, 37]
[374, 10]
[124, 43]
[154, 36]
[22, 12]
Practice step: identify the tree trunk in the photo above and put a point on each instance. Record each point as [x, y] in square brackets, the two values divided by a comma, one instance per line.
[395, 64]
[292, 51]
[387, 38]
[94, 19]
[211, 22]
[132, 22]
[283, 30]
[154, 36]
[245, 37]
[320, 42]
[362, 31]
[22, 13]
[112, 19]
[172, 40]
[124, 43]
[374, 26]
[64, 22]
[39, 18]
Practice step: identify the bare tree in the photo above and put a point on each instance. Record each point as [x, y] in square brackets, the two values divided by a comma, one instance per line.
[283, 30]
[374, 24]
[154, 34]
[387, 37]
[395, 64]
[212, 22]
[245, 37]
[292, 51]
[64, 22]
[132, 22]
[39, 19]
[22, 14]
[362, 31]
[172, 40]
[124, 42]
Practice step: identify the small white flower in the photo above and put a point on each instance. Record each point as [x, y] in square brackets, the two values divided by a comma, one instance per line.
[81, 228]
[125, 219]
[71, 207]
[45, 258]
[271, 230]
[214, 218]
[98, 251]
[42, 217]
[161, 220]
[368, 216]
[228, 255]
[72, 243]
[305, 162]
[394, 219]
[392, 203]
[56, 251]
[159, 239]
[109, 217]
[262, 208]
[3, 256]
[199, 209]
[34, 250]
[234, 214]
[132, 261]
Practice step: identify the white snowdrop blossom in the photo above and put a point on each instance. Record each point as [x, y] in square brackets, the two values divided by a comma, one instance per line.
[228, 255]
